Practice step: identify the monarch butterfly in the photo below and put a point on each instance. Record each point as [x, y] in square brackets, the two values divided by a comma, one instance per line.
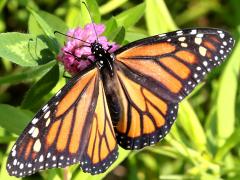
[129, 98]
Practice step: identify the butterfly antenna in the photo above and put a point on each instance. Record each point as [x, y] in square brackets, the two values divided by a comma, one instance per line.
[57, 32]
[91, 19]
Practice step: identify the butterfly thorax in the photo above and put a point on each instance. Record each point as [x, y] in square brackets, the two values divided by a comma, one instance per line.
[103, 57]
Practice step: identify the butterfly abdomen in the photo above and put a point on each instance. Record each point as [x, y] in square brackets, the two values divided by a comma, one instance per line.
[112, 95]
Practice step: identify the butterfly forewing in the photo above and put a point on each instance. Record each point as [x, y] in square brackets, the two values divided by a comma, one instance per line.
[172, 64]
[74, 126]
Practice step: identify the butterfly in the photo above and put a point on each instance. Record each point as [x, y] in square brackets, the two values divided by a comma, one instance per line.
[128, 98]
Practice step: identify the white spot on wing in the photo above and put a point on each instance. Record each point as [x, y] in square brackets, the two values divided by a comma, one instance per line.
[161, 35]
[35, 120]
[58, 92]
[194, 31]
[48, 122]
[47, 115]
[199, 35]
[35, 133]
[21, 166]
[37, 146]
[31, 130]
[202, 50]
[222, 35]
[45, 107]
[199, 68]
[179, 32]
[54, 158]
[14, 153]
[41, 158]
[205, 63]
[184, 44]
[181, 39]
[198, 40]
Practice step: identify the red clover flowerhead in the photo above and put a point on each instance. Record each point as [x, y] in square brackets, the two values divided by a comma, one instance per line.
[77, 48]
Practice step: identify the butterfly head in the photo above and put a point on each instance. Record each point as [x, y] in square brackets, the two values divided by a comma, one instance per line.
[98, 51]
[97, 48]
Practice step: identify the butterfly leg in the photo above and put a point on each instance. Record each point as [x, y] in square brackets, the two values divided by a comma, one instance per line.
[109, 47]
[83, 57]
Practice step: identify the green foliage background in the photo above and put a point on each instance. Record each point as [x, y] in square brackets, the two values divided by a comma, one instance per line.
[203, 143]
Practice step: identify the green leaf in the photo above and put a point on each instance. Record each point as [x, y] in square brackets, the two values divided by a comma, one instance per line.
[41, 88]
[13, 119]
[133, 36]
[158, 18]
[54, 22]
[164, 150]
[2, 4]
[53, 174]
[51, 40]
[189, 121]
[111, 5]
[85, 17]
[27, 74]
[130, 17]
[78, 14]
[94, 9]
[230, 142]
[111, 25]
[196, 11]
[149, 161]
[227, 96]
[23, 49]
[113, 32]
[42, 23]
[119, 36]
[73, 15]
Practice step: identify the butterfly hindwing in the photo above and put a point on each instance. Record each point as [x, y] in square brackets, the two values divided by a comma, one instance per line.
[146, 118]
[59, 134]
[102, 149]
[171, 65]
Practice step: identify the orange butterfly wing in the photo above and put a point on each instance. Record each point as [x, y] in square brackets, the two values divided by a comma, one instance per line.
[102, 149]
[73, 127]
[156, 73]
